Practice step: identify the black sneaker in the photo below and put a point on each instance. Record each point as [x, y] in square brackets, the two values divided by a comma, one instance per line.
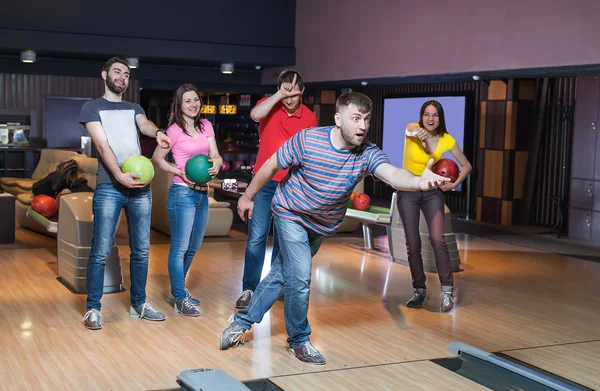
[418, 300]
[93, 319]
[244, 299]
[232, 335]
[447, 302]
[186, 307]
[308, 354]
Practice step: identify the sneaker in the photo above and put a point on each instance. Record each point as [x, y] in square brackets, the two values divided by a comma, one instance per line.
[308, 354]
[185, 307]
[418, 300]
[93, 319]
[145, 311]
[281, 297]
[232, 335]
[447, 302]
[188, 296]
[244, 299]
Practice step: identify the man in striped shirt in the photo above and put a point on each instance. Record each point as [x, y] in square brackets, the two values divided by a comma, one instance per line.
[325, 165]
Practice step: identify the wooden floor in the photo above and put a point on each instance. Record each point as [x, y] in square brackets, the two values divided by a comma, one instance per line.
[537, 307]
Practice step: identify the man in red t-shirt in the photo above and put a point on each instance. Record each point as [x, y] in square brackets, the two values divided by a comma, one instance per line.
[280, 116]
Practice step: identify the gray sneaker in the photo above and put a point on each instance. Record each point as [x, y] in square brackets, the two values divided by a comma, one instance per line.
[185, 307]
[244, 299]
[447, 302]
[308, 354]
[93, 319]
[145, 311]
[232, 335]
[188, 296]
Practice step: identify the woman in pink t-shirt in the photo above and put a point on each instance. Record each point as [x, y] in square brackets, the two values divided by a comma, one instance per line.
[187, 203]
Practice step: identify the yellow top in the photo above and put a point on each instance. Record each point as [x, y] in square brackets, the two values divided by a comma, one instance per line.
[415, 157]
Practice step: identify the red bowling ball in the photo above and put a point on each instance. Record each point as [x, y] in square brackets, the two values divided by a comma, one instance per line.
[446, 168]
[44, 205]
[361, 201]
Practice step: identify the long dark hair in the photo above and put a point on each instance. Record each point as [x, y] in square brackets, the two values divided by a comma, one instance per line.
[176, 116]
[441, 129]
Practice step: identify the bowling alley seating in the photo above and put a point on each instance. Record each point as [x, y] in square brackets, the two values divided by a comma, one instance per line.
[87, 168]
[220, 215]
[49, 160]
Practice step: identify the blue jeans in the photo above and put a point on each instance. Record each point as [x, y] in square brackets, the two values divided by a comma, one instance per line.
[188, 215]
[109, 200]
[291, 272]
[258, 231]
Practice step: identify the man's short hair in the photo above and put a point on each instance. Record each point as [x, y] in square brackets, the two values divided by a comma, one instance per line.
[362, 102]
[114, 60]
[287, 76]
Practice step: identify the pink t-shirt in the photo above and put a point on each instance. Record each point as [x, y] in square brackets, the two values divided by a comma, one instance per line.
[184, 147]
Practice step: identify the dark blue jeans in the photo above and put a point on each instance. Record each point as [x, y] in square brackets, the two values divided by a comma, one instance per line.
[290, 272]
[109, 200]
[258, 231]
[188, 215]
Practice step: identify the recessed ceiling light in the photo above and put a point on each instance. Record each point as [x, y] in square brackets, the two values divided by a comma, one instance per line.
[227, 68]
[28, 56]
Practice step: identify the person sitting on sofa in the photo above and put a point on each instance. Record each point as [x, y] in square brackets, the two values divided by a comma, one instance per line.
[187, 203]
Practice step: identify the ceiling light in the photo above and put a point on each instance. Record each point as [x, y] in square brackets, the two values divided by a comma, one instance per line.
[28, 56]
[258, 67]
[134, 62]
[227, 68]
[475, 77]
[363, 83]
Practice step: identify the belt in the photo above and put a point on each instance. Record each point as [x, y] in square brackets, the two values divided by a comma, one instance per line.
[194, 187]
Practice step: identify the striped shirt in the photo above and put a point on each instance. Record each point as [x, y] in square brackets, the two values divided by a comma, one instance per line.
[321, 179]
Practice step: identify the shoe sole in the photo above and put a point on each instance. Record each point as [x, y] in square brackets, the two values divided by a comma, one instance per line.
[236, 343]
[93, 328]
[189, 315]
[241, 307]
[152, 320]
[418, 306]
[173, 301]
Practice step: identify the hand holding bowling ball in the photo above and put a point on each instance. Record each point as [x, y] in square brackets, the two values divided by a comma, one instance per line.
[44, 205]
[196, 169]
[138, 171]
[429, 179]
[216, 166]
[361, 201]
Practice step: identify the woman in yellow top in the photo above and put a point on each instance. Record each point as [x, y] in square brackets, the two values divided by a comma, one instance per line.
[431, 140]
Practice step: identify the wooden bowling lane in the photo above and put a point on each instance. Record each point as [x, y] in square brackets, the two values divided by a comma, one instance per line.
[509, 297]
[421, 375]
[578, 362]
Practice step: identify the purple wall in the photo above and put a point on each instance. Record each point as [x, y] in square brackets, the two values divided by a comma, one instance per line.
[354, 39]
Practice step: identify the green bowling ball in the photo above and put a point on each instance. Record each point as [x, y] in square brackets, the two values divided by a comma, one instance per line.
[196, 169]
[141, 165]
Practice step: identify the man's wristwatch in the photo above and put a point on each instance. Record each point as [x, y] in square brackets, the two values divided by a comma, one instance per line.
[160, 130]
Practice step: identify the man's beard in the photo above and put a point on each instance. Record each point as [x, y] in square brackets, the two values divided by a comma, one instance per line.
[349, 139]
[113, 87]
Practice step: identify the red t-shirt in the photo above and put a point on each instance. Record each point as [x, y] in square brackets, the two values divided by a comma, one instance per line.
[276, 128]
